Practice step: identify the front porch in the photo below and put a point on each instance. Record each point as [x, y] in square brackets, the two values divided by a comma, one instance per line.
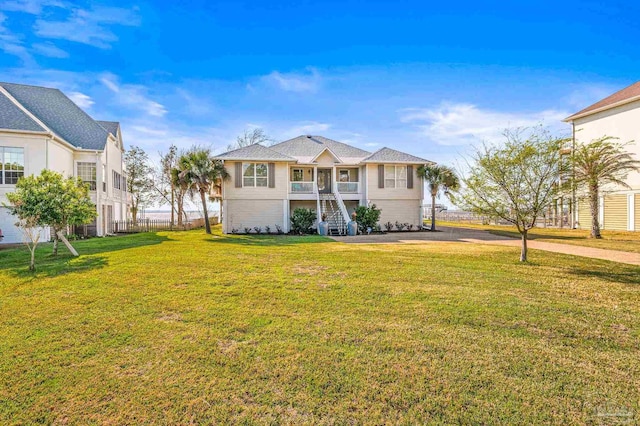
[305, 183]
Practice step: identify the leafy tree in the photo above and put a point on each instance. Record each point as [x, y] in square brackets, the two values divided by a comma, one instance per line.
[367, 217]
[162, 181]
[139, 181]
[599, 163]
[54, 201]
[439, 179]
[31, 233]
[200, 172]
[515, 181]
[250, 137]
[302, 220]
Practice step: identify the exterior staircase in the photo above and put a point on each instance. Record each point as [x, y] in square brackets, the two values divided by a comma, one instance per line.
[330, 206]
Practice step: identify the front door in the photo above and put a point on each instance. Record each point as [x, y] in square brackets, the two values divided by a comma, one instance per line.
[324, 181]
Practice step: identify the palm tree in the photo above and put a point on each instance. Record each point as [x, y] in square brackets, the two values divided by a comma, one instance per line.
[599, 163]
[201, 172]
[438, 178]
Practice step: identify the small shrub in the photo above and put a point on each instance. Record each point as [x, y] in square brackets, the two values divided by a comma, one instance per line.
[302, 220]
[247, 230]
[367, 217]
[279, 229]
[410, 226]
[399, 226]
[234, 230]
[257, 229]
[267, 229]
[388, 226]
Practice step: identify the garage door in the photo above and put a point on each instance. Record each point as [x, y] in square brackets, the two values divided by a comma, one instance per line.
[615, 212]
[11, 233]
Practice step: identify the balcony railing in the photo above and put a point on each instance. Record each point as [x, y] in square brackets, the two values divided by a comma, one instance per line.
[302, 187]
[349, 187]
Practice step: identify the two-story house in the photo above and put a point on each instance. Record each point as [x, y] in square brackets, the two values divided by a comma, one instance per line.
[41, 128]
[618, 116]
[267, 183]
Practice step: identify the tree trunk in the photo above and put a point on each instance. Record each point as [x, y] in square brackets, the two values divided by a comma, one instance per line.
[594, 195]
[32, 264]
[134, 214]
[173, 202]
[433, 212]
[523, 251]
[207, 225]
[55, 242]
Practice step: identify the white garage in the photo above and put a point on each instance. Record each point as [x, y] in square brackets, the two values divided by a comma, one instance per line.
[11, 233]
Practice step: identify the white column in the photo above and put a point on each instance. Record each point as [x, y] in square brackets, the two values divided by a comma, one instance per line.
[225, 217]
[631, 202]
[601, 211]
[285, 215]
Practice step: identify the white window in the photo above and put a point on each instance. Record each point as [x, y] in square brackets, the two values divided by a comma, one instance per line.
[11, 165]
[348, 175]
[117, 180]
[87, 173]
[255, 174]
[298, 175]
[395, 177]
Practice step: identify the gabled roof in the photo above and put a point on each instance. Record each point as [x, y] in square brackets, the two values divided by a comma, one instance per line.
[626, 95]
[254, 152]
[388, 155]
[110, 126]
[306, 148]
[13, 118]
[60, 115]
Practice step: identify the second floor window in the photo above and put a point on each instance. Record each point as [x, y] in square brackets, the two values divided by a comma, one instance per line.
[117, 180]
[11, 165]
[255, 174]
[395, 176]
[87, 172]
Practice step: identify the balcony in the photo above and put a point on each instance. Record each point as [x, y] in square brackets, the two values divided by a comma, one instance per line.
[301, 187]
[349, 187]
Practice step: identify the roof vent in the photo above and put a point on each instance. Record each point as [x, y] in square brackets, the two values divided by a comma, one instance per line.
[309, 136]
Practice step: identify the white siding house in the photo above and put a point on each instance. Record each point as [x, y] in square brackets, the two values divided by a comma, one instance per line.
[41, 128]
[267, 183]
[618, 116]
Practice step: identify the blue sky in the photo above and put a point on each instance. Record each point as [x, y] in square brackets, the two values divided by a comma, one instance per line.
[430, 78]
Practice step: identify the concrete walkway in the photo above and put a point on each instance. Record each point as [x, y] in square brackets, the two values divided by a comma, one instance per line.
[477, 236]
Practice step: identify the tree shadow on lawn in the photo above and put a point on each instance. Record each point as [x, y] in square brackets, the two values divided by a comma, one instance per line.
[16, 261]
[534, 236]
[630, 275]
[269, 240]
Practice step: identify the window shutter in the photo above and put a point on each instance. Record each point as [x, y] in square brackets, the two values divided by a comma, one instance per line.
[238, 173]
[409, 177]
[381, 176]
[272, 175]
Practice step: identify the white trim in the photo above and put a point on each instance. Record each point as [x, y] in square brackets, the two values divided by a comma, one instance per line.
[574, 117]
[330, 152]
[631, 217]
[255, 176]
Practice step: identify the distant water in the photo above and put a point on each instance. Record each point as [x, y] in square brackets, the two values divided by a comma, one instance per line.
[166, 215]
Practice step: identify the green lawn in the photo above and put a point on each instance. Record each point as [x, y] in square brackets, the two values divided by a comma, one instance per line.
[611, 240]
[179, 328]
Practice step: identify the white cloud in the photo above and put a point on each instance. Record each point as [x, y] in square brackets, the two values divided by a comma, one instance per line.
[463, 124]
[33, 7]
[295, 82]
[583, 96]
[133, 96]
[89, 26]
[80, 99]
[49, 49]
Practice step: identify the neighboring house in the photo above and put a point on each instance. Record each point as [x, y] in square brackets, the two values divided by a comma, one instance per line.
[41, 128]
[617, 115]
[267, 183]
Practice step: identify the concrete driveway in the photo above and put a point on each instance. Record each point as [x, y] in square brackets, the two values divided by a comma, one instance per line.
[478, 236]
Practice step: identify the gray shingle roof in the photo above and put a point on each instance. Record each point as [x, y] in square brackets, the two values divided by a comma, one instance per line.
[60, 114]
[305, 148]
[254, 152]
[110, 126]
[388, 155]
[13, 118]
